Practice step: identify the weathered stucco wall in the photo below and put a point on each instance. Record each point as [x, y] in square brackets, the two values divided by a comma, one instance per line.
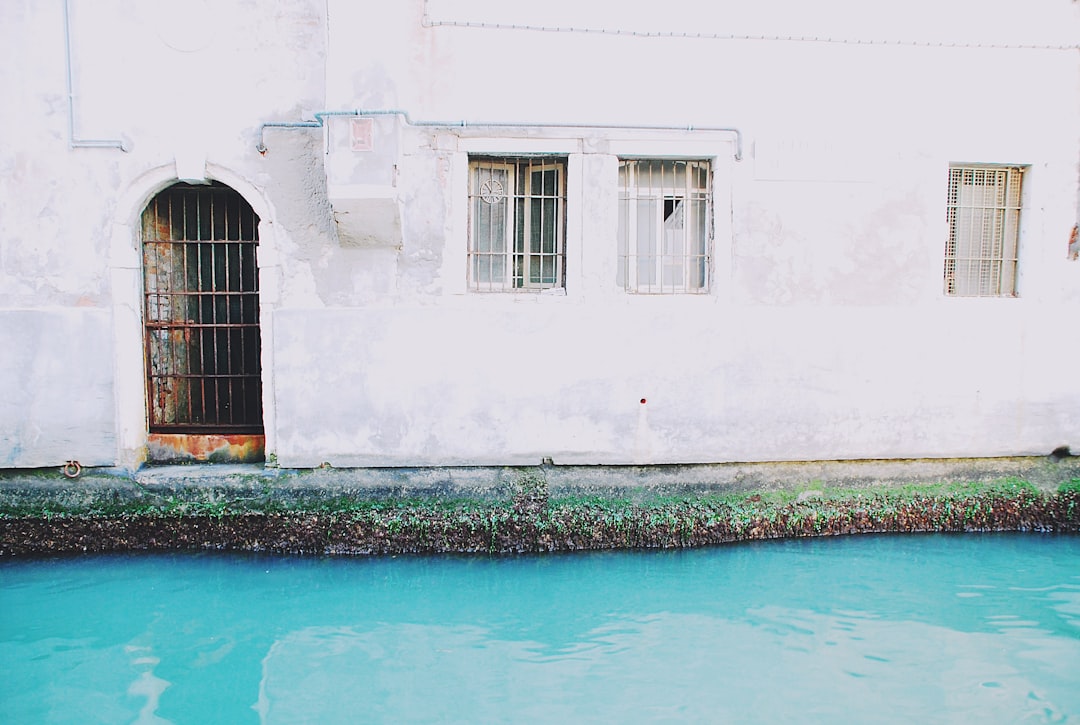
[57, 393]
[565, 381]
[183, 87]
[825, 333]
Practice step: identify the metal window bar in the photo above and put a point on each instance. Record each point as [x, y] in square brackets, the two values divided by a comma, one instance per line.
[664, 226]
[517, 223]
[201, 311]
[983, 214]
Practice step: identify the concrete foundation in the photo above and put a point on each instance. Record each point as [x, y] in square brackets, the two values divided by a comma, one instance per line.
[234, 483]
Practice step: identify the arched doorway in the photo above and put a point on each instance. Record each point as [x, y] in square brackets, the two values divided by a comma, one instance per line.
[201, 334]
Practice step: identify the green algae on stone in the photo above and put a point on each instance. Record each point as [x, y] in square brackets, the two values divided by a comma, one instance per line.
[529, 521]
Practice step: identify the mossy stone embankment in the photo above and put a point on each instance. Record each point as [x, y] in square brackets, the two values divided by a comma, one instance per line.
[521, 515]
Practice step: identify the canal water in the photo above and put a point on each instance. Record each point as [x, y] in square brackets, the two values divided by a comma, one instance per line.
[961, 628]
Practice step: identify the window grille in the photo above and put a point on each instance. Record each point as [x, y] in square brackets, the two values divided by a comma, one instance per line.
[201, 311]
[664, 228]
[517, 222]
[984, 224]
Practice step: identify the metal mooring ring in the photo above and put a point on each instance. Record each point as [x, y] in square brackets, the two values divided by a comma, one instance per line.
[72, 469]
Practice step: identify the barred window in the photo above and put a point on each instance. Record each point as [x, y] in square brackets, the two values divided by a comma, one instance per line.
[984, 226]
[517, 223]
[664, 227]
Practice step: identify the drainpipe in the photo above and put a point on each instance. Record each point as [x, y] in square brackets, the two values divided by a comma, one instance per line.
[321, 116]
[73, 142]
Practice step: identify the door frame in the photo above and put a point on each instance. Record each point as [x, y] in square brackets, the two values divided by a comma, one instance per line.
[125, 265]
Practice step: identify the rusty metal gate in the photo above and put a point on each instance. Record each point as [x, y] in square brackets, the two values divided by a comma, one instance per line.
[201, 311]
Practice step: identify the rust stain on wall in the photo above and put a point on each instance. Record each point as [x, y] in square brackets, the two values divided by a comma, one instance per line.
[205, 448]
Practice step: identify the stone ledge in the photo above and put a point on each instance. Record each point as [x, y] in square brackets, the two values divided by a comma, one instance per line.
[215, 479]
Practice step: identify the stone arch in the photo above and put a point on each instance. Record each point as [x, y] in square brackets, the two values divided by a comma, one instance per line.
[125, 264]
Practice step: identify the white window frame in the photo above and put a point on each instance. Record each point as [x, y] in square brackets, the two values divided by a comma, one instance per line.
[982, 248]
[517, 195]
[649, 270]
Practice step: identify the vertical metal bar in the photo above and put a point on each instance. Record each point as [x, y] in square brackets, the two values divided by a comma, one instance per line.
[238, 369]
[239, 405]
[634, 193]
[989, 220]
[221, 329]
[165, 365]
[541, 234]
[950, 243]
[254, 298]
[521, 218]
[690, 214]
[997, 240]
[642, 178]
[624, 232]
[958, 181]
[633, 240]
[495, 256]
[219, 319]
[693, 213]
[170, 365]
[970, 237]
[256, 369]
[651, 241]
[680, 280]
[472, 272]
[504, 241]
[673, 256]
[553, 204]
[483, 257]
[992, 194]
[476, 261]
[656, 217]
[148, 310]
[237, 359]
[227, 292]
[480, 260]
[683, 283]
[535, 227]
[550, 202]
[201, 250]
[521, 205]
[964, 231]
[668, 171]
[525, 174]
[212, 331]
[250, 293]
[560, 224]
[182, 348]
[667, 182]
[196, 390]
[1010, 244]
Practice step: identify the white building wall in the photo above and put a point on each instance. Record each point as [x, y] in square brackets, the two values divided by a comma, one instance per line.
[825, 333]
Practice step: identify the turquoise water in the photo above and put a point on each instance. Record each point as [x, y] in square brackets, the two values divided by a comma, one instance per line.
[972, 628]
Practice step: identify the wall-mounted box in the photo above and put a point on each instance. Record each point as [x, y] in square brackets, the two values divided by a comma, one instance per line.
[361, 168]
